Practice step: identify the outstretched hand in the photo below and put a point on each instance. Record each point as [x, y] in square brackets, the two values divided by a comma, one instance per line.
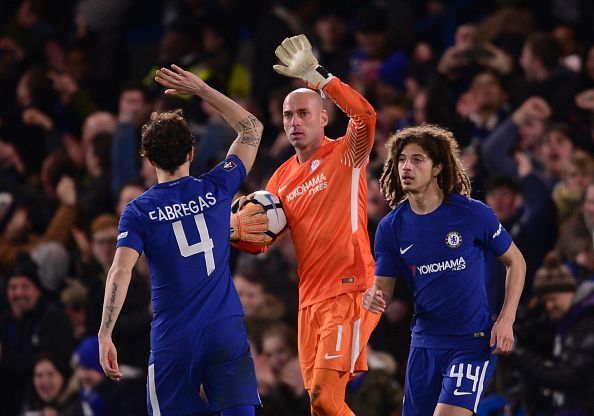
[179, 81]
[299, 61]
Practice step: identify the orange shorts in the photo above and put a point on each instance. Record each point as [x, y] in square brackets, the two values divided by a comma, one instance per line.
[333, 334]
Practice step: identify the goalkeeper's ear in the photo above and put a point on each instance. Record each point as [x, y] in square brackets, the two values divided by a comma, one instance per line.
[248, 247]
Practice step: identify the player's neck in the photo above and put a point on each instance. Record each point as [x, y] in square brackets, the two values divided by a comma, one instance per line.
[426, 201]
[180, 172]
[304, 154]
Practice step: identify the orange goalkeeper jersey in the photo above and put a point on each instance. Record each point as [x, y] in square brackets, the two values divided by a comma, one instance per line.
[325, 200]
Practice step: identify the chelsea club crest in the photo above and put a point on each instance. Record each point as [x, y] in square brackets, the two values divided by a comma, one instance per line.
[453, 239]
[314, 165]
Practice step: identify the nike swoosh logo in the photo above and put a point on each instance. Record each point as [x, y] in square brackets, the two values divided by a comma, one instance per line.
[330, 357]
[404, 250]
[282, 188]
[461, 393]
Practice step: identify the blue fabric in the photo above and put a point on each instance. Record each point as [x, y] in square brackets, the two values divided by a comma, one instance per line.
[218, 358]
[457, 377]
[239, 411]
[441, 255]
[183, 228]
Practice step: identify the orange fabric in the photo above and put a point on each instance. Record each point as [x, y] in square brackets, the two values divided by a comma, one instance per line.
[325, 200]
[333, 334]
[327, 395]
[248, 247]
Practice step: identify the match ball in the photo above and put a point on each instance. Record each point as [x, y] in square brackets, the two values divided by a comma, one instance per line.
[277, 220]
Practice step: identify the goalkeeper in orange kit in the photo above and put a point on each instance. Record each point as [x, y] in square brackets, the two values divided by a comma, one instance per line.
[323, 189]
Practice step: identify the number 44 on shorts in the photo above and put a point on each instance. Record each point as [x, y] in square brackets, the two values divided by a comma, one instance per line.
[472, 373]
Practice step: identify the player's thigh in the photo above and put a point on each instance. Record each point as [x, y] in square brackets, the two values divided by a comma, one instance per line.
[466, 376]
[422, 385]
[368, 322]
[229, 378]
[342, 333]
[307, 339]
[170, 391]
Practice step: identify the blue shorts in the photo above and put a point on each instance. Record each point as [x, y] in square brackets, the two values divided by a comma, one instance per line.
[457, 377]
[218, 358]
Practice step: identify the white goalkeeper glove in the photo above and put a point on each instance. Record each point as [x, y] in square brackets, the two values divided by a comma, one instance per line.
[299, 62]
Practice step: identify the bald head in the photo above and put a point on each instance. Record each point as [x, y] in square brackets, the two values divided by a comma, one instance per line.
[304, 119]
[305, 93]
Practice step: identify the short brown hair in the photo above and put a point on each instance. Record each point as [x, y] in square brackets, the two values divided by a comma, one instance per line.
[103, 222]
[167, 140]
[442, 149]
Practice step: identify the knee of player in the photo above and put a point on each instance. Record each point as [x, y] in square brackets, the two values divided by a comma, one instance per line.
[322, 401]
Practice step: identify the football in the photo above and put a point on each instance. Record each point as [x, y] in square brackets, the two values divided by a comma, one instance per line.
[277, 220]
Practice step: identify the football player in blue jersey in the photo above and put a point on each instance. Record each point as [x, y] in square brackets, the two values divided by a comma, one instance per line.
[436, 238]
[182, 225]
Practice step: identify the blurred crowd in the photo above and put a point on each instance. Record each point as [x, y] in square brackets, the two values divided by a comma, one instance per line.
[513, 79]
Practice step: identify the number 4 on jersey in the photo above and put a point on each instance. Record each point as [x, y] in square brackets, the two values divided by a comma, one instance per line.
[204, 246]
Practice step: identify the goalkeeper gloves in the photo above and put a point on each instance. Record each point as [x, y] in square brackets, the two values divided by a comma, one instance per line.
[299, 62]
[249, 223]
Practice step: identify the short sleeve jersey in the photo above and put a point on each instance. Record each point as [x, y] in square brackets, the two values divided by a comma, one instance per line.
[182, 226]
[442, 257]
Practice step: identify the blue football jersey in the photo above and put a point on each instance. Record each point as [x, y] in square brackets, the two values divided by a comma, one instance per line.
[183, 228]
[442, 257]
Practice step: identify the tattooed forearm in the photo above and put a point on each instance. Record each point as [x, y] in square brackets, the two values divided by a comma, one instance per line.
[110, 309]
[250, 131]
[248, 124]
[249, 140]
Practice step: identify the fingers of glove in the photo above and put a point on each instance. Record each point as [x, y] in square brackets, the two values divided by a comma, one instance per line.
[252, 209]
[262, 239]
[285, 71]
[254, 228]
[282, 54]
[255, 220]
[304, 42]
[289, 46]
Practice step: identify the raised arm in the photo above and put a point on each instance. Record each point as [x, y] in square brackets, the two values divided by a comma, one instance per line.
[298, 61]
[248, 127]
[360, 131]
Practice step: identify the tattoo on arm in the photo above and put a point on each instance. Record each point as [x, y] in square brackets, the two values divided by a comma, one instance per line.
[249, 123]
[250, 131]
[111, 308]
[249, 140]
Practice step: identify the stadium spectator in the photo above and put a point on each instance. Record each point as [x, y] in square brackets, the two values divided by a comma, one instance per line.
[51, 394]
[285, 394]
[569, 375]
[31, 326]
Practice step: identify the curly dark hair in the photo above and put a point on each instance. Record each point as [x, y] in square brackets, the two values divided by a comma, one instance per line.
[442, 149]
[166, 140]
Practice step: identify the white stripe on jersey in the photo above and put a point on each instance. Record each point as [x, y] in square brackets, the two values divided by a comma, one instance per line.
[355, 199]
[153, 391]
